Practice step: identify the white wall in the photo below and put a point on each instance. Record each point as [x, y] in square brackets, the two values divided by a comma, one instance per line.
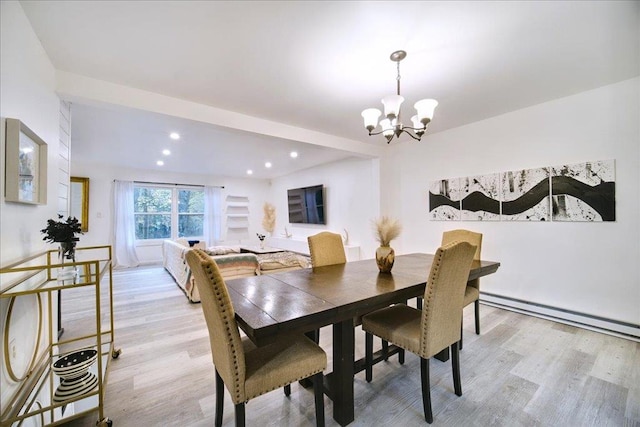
[352, 200]
[27, 85]
[101, 196]
[590, 268]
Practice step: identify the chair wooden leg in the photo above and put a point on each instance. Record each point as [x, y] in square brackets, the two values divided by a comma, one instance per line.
[419, 303]
[219, 399]
[461, 333]
[368, 356]
[426, 390]
[401, 356]
[287, 390]
[455, 367]
[385, 350]
[477, 307]
[319, 398]
[240, 415]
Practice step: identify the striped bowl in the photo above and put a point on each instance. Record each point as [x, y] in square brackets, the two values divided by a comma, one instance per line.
[76, 364]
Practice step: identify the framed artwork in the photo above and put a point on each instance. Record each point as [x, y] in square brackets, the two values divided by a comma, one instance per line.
[525, 195]
[444, 200]
[26, 165]
[480, 198]
[584, 191]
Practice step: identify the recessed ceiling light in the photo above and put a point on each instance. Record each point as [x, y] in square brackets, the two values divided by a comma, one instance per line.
[166, 152]
[174, 135]
[267, 165]
[293, 154]
[249, 172]
[160, 163]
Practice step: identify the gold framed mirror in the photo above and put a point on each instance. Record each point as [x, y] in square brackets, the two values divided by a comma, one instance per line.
[79, 206]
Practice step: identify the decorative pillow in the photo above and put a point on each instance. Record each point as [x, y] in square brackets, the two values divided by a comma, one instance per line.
[222, 250]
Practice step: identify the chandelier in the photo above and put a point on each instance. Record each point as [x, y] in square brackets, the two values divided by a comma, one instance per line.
[392, 125]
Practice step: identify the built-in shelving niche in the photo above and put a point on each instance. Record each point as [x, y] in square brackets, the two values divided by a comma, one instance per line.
[237, 217]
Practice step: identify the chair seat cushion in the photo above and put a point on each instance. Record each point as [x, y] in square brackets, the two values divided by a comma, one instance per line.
[470, 295]
[281, 363]
[398, 324]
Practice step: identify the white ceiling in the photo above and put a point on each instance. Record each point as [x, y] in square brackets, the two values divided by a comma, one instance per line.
[317, 65]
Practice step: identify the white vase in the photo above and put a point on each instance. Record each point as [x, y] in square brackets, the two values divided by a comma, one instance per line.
[67, 252]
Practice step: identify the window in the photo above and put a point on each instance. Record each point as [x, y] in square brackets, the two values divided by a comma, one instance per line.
[190, 213]
[168, 213]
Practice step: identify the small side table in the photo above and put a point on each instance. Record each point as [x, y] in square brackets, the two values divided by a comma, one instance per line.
[258, 250]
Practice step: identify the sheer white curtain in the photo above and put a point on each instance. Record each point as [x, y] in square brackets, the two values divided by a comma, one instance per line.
[212, 214]
[124, 232]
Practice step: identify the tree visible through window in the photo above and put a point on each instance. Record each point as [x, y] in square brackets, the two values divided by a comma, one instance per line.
[190, 213]
[164, 213]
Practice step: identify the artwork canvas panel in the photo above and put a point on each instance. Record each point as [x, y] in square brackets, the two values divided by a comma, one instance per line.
[480, 198]
[584, 191]
[444, 200]
[525, 195]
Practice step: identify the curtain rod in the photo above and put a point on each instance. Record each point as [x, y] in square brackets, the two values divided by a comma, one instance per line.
[172, 183]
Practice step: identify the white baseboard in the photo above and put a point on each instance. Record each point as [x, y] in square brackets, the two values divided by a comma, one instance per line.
[581, 320]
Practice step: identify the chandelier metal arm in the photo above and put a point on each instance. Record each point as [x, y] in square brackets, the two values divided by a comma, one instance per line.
[416, 137]
[397, 133]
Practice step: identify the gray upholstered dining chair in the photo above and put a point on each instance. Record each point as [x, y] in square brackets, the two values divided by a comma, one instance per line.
[428, 331]
[248, 371]
[472, 291]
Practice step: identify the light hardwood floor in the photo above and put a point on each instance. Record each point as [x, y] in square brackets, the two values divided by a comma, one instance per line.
[522, 371]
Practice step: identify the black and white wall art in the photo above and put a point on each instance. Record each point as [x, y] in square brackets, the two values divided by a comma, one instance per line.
[584, 191]
[444, 200]
[525, 195]
[571, 192]
[480, 198]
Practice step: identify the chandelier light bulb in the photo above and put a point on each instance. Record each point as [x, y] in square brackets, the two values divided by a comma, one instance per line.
[392, 105]
[425, 109]
[371, 116]
[387, 127]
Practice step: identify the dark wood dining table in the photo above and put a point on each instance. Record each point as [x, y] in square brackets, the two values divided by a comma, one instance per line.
[270, 307]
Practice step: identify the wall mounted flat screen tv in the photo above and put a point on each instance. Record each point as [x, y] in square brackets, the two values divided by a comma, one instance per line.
[306, 205]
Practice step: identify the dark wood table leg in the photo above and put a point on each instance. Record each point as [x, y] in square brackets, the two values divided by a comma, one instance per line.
[343, 372]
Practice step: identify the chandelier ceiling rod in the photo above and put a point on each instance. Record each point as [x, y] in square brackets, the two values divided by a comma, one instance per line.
[391, 125]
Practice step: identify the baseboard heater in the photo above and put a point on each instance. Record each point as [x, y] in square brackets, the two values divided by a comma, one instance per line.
[569, 317]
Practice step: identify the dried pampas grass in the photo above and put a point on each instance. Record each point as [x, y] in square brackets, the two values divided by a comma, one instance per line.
[386, 229]
[269, 220]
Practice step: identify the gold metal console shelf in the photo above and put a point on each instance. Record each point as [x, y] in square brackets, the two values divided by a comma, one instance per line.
[32, 392]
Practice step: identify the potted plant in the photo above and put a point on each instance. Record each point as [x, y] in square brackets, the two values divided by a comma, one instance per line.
[64, 233]
[385, 230]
